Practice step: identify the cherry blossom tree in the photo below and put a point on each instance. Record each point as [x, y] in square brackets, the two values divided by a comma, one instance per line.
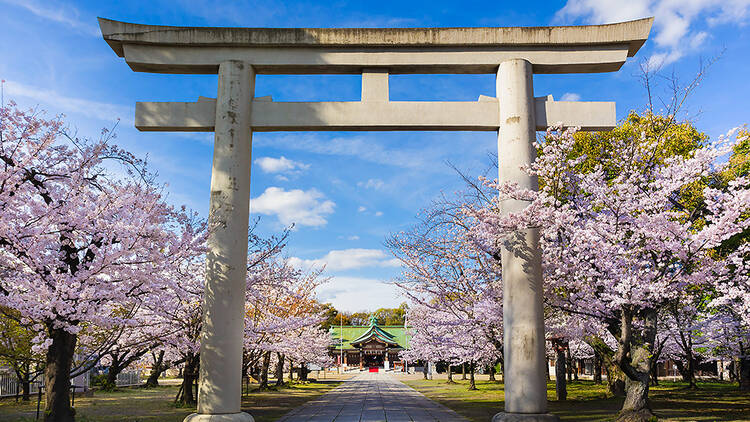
[306, 345]
[126, 346]
[621, 239]
[280, 309]
[683, 338]
[729, 331]
[80, 236]
[440, 335]
[455, 285]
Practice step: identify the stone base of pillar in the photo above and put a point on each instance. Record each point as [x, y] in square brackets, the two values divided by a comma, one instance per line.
[525, 417]
[226, 417]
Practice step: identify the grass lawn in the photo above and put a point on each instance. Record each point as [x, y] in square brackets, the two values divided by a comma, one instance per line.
[589, 402]
[156, 404]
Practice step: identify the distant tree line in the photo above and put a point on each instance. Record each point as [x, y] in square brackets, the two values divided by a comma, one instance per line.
[385, 316]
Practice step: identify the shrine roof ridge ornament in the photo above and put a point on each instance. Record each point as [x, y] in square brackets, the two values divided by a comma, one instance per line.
[555, 49]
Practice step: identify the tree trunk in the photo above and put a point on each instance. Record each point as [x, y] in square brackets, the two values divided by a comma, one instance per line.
[744, 373]
[655, 357]
[638, 366]
[57, 376]
[156, 369]
[546, 369]
[576, 368]
[303, 371]
[569, 364]
[561, 389]
[654, 371]
[615, 380]
[615, 376]
[189, 377]
[291, 370]
[424, 369]
[691, 370]
[636, 407]
[472, 382]
[25, 390]
[112, 372]
[280, 369]
[463, 371]
[450, 374]
[263, 384]
[492, 373]
[22, 377]
[687, 370]
[597, 368]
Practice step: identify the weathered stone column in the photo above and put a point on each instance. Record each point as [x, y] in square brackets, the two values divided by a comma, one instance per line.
[523, 318]
[220, 391]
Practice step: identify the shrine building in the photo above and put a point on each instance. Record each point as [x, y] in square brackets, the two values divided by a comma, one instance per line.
[372, 346]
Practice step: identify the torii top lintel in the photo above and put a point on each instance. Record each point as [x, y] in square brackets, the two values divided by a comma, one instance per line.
[197, 50]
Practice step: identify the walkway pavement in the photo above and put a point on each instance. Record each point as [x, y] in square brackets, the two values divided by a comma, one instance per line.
[372, 397]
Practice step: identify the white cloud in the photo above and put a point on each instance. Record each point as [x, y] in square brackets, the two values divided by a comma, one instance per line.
[375, 184]
[674, 20]
[362, 208]
[58, 103]
[605, 11]
[353, 294]
[355, 237]
[570, 96]
[379, 213]
[348, 259]
[698, 39]
[302, 208]
[658, 60]
[280, 165]
[62, 13]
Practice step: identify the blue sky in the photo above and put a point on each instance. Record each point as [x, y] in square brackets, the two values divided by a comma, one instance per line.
[347, 192]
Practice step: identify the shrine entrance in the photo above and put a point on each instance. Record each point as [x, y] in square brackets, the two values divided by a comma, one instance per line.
[374, 358]
[513, 54]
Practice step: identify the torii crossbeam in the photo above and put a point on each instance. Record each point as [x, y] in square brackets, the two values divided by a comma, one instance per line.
[238, 54]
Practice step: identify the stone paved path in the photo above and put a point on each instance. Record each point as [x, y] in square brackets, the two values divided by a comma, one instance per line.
[372, 397]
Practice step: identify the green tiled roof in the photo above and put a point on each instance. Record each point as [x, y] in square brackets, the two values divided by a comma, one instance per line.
[353, 332]
[376, 332]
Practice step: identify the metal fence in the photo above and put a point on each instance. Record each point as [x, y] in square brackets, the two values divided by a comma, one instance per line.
[125, 379]
[10, 387]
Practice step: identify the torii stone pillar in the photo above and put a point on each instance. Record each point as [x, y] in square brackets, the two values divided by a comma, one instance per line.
[236, 54]
[220, 387]
[523, 316]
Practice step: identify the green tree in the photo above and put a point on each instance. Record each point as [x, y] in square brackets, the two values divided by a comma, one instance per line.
[392, 316]
[384, 316]
[667, 138]
[16, 341]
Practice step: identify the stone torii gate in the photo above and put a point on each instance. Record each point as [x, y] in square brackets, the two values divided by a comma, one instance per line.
[238, 54]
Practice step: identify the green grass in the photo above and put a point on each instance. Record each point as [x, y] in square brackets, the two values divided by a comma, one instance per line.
[156, 404]
[590, 402]
[586, 402]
